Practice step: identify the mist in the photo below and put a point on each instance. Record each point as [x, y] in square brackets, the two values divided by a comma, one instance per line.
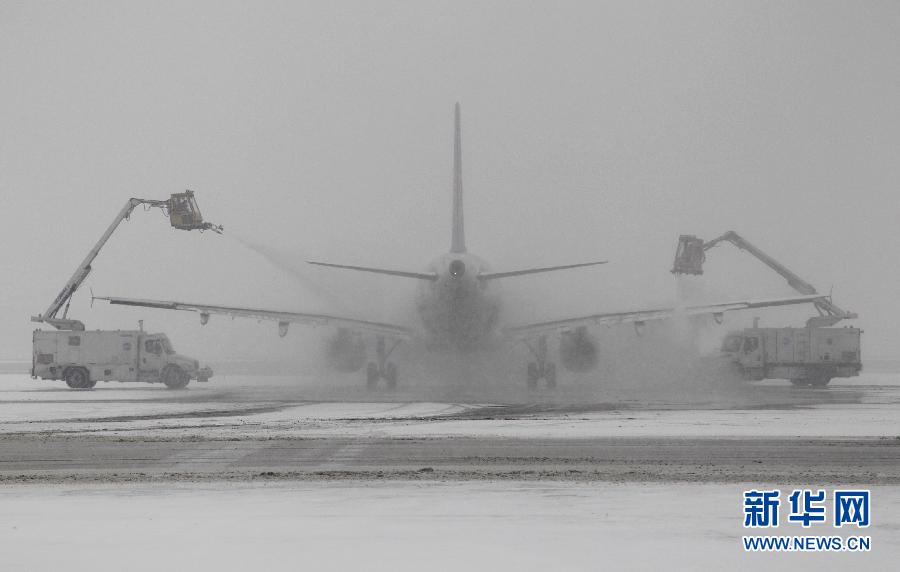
[324, 132]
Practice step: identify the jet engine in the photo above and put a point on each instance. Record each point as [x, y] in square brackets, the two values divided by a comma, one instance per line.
[346, 351]
[578, 350]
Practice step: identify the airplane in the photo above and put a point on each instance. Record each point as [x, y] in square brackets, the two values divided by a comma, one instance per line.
[460, 311]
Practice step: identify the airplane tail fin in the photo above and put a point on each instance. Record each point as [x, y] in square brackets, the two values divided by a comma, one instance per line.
[458, 243]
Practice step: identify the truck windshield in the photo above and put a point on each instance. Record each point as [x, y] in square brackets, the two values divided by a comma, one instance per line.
[167, 346]
[750, 345]
[731, 344]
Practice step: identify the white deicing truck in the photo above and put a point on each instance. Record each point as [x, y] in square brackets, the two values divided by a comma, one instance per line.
[807, 356]
[82, 358]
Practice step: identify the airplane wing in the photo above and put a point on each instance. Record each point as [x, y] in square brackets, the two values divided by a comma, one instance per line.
[640, 316]
[283, 318]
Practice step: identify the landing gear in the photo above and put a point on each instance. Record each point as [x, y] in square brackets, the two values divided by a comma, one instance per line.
[390, 375]
[383, 368]
[540, 368]
[372, 375]
[550, 374]
[534, 374]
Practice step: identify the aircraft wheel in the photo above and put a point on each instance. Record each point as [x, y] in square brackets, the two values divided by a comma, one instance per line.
[78, 378]
[371, 376]
[175, 378]
[550, 374]
[533, 375]
[390, 375]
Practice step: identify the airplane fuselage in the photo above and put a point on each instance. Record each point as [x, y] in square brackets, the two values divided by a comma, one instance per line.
[458, 310]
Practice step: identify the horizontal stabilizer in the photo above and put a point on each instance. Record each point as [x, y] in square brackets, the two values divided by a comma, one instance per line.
[493, 275]
[401, 273]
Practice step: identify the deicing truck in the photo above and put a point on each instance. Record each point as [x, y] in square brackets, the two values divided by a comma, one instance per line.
[807, 356]
[82, 358]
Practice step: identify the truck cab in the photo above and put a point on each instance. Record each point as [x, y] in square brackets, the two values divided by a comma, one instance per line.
[157, 356]
[745, 349]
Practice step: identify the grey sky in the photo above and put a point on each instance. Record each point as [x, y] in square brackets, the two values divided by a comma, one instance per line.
[324, 129]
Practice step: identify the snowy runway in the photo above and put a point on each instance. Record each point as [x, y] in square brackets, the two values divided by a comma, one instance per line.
[246, 472]
[400, 526]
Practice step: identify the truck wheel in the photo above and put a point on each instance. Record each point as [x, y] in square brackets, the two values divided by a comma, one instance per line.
[820, 380]
[175, 378]
[78, 378]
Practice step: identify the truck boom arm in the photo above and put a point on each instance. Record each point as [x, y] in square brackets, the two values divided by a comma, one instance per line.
[690, 256]
[183, 214]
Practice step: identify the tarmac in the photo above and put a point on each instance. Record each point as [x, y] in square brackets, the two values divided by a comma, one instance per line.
[286, 428]
[311, 470]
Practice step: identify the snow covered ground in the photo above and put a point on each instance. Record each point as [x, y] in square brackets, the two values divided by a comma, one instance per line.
[868, 406]
[406, 526]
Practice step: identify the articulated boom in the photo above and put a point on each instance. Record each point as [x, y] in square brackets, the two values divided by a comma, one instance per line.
[183, 213]
[691, 254]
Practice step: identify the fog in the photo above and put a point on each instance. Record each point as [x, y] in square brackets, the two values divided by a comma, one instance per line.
[590, 131]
